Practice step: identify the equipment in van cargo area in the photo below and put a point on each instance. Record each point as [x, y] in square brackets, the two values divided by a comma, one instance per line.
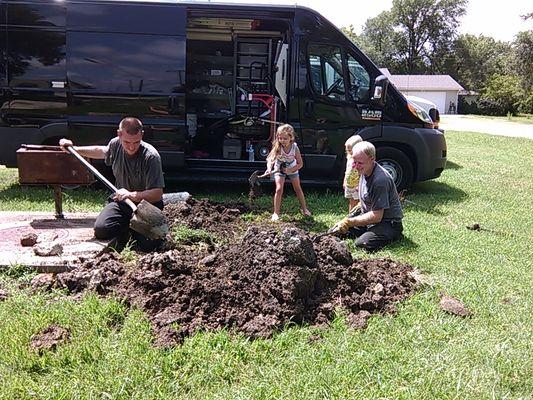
[196, 72]
[232, 149]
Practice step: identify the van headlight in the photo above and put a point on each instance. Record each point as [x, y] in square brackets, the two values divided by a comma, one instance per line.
[419, 113]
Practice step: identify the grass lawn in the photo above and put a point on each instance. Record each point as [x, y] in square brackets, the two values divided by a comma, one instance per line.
[418, 353]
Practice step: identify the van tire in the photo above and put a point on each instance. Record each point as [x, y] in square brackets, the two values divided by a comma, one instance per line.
[397, 164]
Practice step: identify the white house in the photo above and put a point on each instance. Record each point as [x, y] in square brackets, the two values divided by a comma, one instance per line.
[442, 90]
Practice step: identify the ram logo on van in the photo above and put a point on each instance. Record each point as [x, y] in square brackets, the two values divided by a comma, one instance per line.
[371, 115]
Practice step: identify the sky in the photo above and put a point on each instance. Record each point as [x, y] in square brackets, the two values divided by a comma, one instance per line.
[498, 19]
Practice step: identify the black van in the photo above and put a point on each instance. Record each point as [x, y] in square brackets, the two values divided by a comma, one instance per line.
[210, 82]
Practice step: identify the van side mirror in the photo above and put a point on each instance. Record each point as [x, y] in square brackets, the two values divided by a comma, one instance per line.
[381, 85]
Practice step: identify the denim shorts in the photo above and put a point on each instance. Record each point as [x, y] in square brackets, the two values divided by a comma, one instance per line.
[281, 166]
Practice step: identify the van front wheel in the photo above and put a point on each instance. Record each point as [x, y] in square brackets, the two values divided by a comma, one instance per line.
[397, 164]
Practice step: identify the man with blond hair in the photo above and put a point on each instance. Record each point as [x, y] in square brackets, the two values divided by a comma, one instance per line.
[138, 174]
[380, 219]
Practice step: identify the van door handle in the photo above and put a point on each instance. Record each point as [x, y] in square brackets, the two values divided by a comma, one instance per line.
[309, 108]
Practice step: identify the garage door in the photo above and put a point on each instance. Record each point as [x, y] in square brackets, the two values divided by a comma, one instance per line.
[439, 98]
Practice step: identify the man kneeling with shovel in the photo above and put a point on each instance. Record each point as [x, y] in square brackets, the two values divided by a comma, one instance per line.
[138, 174]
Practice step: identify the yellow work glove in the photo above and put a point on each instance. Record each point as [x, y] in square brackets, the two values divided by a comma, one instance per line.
[342, 226]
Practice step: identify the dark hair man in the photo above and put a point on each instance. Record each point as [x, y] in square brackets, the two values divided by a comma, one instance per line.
[138, 174]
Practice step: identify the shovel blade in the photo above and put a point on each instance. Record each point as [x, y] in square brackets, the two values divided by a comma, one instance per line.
[253, 178]
[149, 221]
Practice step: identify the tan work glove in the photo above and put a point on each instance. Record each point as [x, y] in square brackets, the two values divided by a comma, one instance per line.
[342, 226]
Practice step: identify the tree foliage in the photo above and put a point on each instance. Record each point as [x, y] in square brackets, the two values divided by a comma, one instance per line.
[503, 91]
[523, 58]
[474, 59]
[414, 34]
[426, 27]
[420, 37]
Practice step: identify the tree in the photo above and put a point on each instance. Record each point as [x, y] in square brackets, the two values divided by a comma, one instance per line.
[474, 59]
[523, 67]
[425, 28]
[378, 40]
[350, 32]
[503, 91]
[523, 58]
[415, 36]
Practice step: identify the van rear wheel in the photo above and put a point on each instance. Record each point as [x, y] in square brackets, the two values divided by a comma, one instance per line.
[397, 164]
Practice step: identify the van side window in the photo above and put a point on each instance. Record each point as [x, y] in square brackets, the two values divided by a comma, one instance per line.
[37, 44]
[126, 63]
[325, 66]
[359, 80]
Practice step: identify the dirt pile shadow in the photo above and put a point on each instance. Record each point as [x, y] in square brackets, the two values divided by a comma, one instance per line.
[257, 282]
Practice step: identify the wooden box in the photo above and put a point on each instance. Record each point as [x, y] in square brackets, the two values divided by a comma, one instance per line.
[53, 167]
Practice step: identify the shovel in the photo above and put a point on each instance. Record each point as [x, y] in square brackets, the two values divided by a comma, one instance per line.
[256, 176]
[147, 219]
[252, 180]
[330, 232]
[334, 231]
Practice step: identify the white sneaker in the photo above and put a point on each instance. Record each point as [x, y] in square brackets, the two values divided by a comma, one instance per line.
[275, 217]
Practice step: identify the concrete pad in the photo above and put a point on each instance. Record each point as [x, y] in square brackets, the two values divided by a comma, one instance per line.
[468, 123]
[74, 233]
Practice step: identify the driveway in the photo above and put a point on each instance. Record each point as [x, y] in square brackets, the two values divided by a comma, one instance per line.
[485, 125]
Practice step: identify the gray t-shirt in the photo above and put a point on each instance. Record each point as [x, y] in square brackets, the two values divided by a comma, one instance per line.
[377, 192]
[141, 172]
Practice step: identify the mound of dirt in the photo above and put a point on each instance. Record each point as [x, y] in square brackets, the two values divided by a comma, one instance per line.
[256, 283]
[220, 219]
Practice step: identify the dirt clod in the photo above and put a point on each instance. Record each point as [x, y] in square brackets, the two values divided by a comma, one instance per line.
[453, 306]
[216, 218]
[42, 282]
[48, 249]
[474, 227]
[259, 279]
[28, 240]
[49, 338]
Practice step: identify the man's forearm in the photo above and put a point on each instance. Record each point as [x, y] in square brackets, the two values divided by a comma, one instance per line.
[368, 218]
[95, 152]
[150, 195]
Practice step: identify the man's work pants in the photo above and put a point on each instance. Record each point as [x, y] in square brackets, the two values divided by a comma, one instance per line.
[376, 236]
[114, 221]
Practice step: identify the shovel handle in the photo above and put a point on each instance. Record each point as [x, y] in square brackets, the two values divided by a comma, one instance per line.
[97, 173]
[269, 173]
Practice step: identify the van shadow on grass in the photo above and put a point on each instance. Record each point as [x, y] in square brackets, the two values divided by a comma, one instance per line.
[452, 165]
[430, 195]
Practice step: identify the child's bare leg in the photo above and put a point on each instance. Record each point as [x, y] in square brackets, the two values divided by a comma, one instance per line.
[280, 182]
[299, 193]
